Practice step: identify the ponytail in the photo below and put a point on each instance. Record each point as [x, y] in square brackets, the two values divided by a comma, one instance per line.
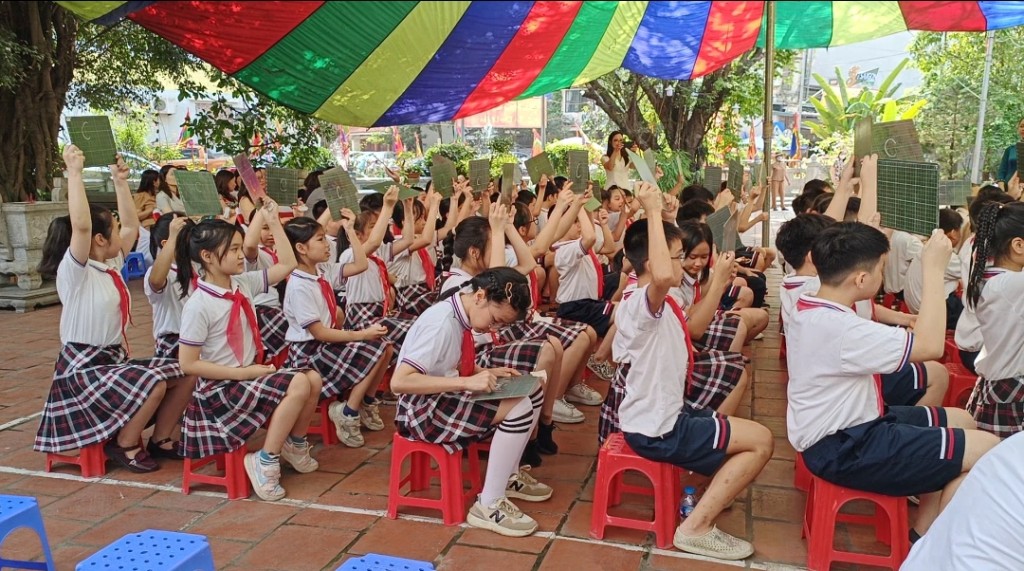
[998, 225]
[58, 238]
[501, 285]
[210, 236]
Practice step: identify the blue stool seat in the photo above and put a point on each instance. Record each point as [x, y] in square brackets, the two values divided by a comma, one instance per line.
[153, 550]
[17, 512]
[374, 562]
[134, 266]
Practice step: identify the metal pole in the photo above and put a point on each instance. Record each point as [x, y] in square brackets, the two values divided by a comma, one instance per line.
[543, 123]
[769, 126]
[976, 161]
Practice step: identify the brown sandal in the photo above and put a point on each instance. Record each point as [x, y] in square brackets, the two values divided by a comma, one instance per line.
[156, 449]
[140, 464]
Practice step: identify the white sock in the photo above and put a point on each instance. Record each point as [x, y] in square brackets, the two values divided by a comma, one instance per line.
[507, 448]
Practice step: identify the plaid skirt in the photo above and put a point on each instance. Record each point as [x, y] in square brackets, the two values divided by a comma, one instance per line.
[998, 406]
[362, 315]
[449, 419]
[342, 365]
[564, 330]
[520, 355]
[715, 376]
[720, 333]
[166, 346]
[96, 391]
[608, 421]
[273, 326]
[415, 299]
[224, 414]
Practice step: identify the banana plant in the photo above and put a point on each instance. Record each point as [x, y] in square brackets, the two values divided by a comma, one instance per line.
[838, 112]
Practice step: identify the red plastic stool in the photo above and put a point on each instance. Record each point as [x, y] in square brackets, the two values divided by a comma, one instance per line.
[325, 430]
[802, 476]
[91, 459]
[961, 383]
[453, 500]
[234, 478]
[889, 521]
[614, 459]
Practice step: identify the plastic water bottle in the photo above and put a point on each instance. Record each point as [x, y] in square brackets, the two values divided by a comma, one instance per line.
[688, 503]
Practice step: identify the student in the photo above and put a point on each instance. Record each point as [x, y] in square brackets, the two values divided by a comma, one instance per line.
[97, 394]
[160, 285]
[657, 421]
[346, 360]
[581, 289]
[980, 528]
[414, 268]
[260, 249]
[995, 293]
[236, 395]
[613, 200]
[438, 372]
[835, 415]
[950, 223]
[167, 199]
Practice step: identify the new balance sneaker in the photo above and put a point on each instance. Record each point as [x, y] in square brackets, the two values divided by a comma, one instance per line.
[523, 486]
[605, 371]
[582, 394]
[298, 456]
[715, 543]
[503, 518]
[265, 478]
[369, 415]
[566, 413]
[346, 427]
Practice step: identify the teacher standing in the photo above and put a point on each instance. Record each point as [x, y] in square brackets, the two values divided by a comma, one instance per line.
[616, 163]
[1008, 164]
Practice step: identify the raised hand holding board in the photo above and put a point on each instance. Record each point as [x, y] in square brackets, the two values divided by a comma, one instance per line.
[442, 174]
[479, 174]
[248, 174]
[508, 182]
[199, 193]
[93, 135]
[579, 170]
[642, 168]
[539, 166]
[340, 191]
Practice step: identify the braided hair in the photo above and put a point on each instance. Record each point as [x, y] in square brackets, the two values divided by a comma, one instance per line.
[998, 225]
[501, 285]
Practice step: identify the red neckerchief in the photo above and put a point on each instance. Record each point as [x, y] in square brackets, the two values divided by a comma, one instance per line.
[467, 362]
[428, 267]
[600, 273]
[332, 302]
[124, 303]
[236, 340]
[385, 282]
[686, 334]
[269, 252]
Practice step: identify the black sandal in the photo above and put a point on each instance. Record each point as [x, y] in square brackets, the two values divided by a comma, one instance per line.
[156, 449]
[140, 464]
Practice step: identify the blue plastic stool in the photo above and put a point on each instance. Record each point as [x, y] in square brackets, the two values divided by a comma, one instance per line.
[17, 512]
[374, 562]
[134, 266]
[153, 550]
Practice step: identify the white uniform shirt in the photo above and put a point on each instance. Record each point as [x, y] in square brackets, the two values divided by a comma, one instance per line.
[366, 287]
[205, 317]
[264, 260]
[832, 356]
[968, 331]
[1000, 313]
[166, 203]
[92, 305]
[167, 303]
[407, 267]
[913, 285]
[434, 344]
[578, 277]
[654, 344]
[903, 248]
[619, 175]
[980, 528]
[793, 286]
[304, 302]
[457, 278]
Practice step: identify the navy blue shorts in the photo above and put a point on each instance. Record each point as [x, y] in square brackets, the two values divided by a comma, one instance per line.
[907, 452]
[906, 386]
[597, 314]
[697, 442]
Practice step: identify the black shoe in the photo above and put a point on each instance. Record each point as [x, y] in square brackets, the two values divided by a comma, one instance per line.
[140, 464]
[530, 455]
[156, 450]
[546, 444]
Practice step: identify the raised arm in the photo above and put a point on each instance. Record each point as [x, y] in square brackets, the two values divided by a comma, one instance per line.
[428, 237]
[837, 208]
[701, 313]
[547, 236]
[930, 329]
[659, 259]
[498, 219]
[526, 262]
[376, 237]
[251, 244]
[587, 236]
[608, 245]
[746, 220]
[359, 262]
[125, 206]
[408, 228]
[78, 206]
[868, 189]
[285, 255]
[453, 216]
[163, 261]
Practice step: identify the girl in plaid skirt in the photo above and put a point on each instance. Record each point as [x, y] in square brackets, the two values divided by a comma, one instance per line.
[347, 360]
[437, 377]
[220, 344]
[260, 248]
[995, 294]
[97, 394]
[415, 281]
[161, 284]
[369, 296]
[480, 244]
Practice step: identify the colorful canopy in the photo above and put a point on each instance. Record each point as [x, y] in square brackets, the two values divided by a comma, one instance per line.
[400, 62]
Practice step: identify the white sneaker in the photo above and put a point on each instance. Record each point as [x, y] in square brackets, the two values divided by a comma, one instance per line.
[566, 413]
[266, 480]
[346, 427]
[503, 518]
[523, 486]
[298, 456]
[369, 415]
[604, 371]
[584, 395]
[715, 543]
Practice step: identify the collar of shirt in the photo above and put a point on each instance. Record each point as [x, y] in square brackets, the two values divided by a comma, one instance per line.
[808, 301]
[301, 274]
[460, 312]
[216, 290]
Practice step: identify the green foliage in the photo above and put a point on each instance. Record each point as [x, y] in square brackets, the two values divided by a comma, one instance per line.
[16, 60]
[131, 132]
[667, 162]
[458, 152]
[501, 146]
[160, 152]
[499, 159]
[307, 158]
[558, 152]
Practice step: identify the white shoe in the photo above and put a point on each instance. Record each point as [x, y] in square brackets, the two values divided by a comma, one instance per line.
[604, 371]
[298, 456]
[584, 395]
[266, 480]
[503, 518]
[715, 543]
[369, 415]
[523, 486]
[346, 427]
[566, 413]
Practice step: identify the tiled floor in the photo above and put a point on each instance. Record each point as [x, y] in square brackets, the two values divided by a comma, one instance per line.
[339, 511]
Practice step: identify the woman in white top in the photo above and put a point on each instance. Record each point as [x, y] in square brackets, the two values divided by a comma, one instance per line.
[97, 394]
[167, 199]
[616, 163]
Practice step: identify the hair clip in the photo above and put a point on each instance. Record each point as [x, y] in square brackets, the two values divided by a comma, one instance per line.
[508, 290]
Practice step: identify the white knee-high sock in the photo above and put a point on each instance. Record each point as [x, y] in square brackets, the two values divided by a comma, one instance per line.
[507, 446]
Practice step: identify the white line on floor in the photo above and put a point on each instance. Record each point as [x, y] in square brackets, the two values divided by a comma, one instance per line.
[21, 420]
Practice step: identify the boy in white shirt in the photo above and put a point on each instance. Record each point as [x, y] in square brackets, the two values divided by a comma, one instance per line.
[835, 416]
[949, 222]
[581, 290]
[657, 422]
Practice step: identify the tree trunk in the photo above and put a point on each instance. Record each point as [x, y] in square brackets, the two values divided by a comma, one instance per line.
[28, 132]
